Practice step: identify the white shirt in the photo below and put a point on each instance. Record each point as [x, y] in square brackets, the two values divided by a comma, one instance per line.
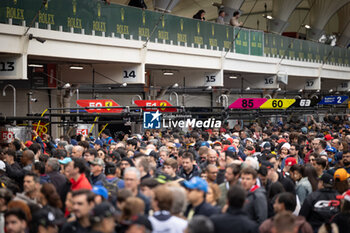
[163, 222]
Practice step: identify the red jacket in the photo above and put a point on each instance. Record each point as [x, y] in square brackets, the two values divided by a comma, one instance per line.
[81, 183]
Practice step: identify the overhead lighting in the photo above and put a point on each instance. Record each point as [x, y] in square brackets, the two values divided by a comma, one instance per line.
[307, 26]
[233, 77]
[318, 90]
[66, 86]
[331, 90]
[76, 67]
[279, 89]
[124, 84]
[168, 73]
[176, 85]
[208, 88]
[247, 89]
[36, 65]
[301, 90]
[268, 17]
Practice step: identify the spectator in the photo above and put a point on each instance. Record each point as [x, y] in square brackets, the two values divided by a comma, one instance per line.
[102, 218]
[98, 176]
[77, 152]
[221, 18]
[132, 180]
[162, 220]
[232, 174]
[83, 203]
[188, 170]
[314, 209]
[234, 218]
[31, 194]
[303, 187]
[200, 15]
[138, 3]
[76, 173]
[15, 221]
[200, 224]
[285, 202]
[234, 20]
[213, 195]
[196, 190]
[256, 207]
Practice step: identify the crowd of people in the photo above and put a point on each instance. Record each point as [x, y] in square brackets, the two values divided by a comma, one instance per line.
[257, 177]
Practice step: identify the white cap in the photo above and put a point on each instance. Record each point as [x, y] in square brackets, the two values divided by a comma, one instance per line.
[286, 145]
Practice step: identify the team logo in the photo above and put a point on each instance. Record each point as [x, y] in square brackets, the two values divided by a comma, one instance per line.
[74, 2]
[151, 120]
[99, 10]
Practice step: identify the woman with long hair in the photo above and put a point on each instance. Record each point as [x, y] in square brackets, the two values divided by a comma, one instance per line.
[303, 186]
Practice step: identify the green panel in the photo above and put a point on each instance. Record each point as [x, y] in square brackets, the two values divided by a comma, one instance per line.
[242, 40]
[283, 43]
[346, 55]
[18, 10]
[256, 43]
[93, 16]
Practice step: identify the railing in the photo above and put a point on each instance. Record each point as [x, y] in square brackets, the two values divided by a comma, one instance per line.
[93, 17]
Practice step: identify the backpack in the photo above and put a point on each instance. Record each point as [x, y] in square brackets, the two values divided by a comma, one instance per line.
[112, 188]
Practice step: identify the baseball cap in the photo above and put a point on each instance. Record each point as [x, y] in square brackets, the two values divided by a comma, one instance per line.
[281, 140]
[196, 183]
[45, 217]
[231, 148]
[304, 130]
[250, 139]
[101, 211]
[217, 142]
[97, 161]
[327, 179]
[98, 142]
[230, 140]
[345, 196]
[205, 144]
[328, 137]
[265, 145]
[286, 145]
[2, 166]
[290, 161]
[331, 149]
[267, 164]
[65, 160]
[341, 174]
[100, 190]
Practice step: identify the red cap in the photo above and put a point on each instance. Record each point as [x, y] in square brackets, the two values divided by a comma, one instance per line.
[217, 142]
[230, 139]
[281, 140]
[328, 137]
[345, 196]
[290, 161]
[28, 143]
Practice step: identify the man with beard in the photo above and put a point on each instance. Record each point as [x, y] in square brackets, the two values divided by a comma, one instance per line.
[346, 160]
[15, 221]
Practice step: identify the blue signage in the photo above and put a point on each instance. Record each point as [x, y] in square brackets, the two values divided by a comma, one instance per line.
[151, 120]
[333, 99]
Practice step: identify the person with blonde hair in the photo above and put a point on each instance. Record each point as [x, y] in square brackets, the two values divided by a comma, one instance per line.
[213, 195]
[162, 220]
